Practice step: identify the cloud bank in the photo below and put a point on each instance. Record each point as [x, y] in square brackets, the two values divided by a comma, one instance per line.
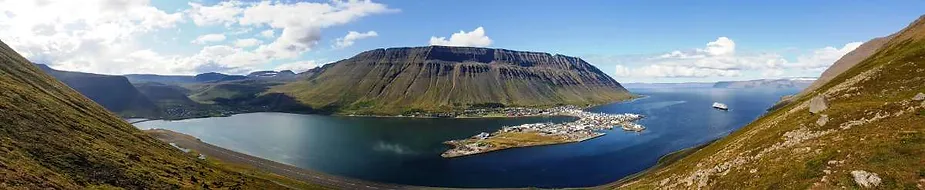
[719, 58]
[115, 37]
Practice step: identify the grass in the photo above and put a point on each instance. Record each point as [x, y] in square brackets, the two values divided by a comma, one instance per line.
[892, 147]
[366, 84]
[54, 138]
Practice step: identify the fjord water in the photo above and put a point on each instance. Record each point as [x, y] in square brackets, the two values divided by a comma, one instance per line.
[407, 150]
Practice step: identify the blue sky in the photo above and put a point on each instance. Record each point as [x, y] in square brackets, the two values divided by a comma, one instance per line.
[632, 41]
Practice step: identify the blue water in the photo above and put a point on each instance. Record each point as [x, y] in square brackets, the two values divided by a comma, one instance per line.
[406, 151]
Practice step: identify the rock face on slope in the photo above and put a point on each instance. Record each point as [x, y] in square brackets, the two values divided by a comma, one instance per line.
[870, 133]
[51, 137]
[115, 93]
[438, 78]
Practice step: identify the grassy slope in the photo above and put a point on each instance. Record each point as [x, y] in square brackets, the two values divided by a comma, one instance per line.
[874, 126]
[52, 137]
[115, 93]
[401, 79]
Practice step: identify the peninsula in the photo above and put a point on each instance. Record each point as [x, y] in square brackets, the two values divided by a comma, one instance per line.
[586, 127]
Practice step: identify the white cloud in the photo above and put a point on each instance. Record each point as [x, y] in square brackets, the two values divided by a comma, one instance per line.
[475, 38]
[242, 43]
[824, 57]
[209, 38]
[675, 71]
[622, 71]
[268, 33]
[80, 35]
[722, 46]
[301, 23]
[297, 67]
[720, 59]
[103, 36]
[221, 13]
[352, 37]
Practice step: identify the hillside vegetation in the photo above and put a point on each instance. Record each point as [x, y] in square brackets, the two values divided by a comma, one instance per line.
[54, 138]
[114, 93]
[438, 78]
[871, 134]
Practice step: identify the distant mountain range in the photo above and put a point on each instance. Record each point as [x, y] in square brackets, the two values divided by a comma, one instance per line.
[796, 82]
[382, 81]
[669, 85]
[177, 96]
[439, 78]
[800, 83]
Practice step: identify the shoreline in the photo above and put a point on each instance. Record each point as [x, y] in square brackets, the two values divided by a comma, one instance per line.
[663, 161]
[338, 182]
[632, 98]
[588, 126]
[308, 176]
[536, 145]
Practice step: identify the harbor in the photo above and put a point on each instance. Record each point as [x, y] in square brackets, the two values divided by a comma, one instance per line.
[588, 126]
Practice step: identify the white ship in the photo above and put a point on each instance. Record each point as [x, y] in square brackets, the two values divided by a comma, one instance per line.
[721, 106]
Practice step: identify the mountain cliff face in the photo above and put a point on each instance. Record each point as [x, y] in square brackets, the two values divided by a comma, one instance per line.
[114, 93]
[861, 129]
[439, 78]
[51, 137]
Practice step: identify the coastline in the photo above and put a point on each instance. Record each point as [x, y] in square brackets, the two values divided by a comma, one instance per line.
[662, 162]
[292, 172]
[534, 145]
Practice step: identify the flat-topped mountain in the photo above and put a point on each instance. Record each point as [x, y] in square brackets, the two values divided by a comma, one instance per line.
[439, 78]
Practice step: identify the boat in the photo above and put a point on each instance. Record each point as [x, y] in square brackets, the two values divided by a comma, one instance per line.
[720, 106]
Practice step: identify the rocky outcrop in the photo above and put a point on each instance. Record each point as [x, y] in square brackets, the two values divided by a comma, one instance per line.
[919, 97]
[865, 179]
[871, 126]
[822, 120]
[440, 78]
[817, 105]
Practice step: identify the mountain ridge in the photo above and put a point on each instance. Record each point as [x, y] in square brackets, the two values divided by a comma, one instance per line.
[442, 78]
[851, 132]
[115, 93]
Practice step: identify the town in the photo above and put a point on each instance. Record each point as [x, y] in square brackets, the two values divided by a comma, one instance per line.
[588, 126]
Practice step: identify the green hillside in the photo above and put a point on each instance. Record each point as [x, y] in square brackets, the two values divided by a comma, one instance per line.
[54, 138]
[872, 134]
[114, 93]
[438, 78]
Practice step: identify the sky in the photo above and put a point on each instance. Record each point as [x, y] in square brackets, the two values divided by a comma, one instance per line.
[632, 41]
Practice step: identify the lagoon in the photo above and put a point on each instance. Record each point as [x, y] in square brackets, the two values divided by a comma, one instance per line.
[407, 150]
